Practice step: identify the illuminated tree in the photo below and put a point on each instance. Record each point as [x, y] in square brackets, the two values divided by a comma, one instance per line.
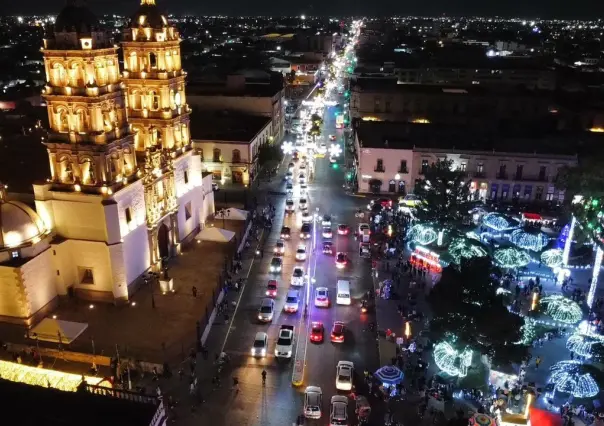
[444, 193]
[465, 304]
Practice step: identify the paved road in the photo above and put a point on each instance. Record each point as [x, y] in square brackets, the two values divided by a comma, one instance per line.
[279, 403]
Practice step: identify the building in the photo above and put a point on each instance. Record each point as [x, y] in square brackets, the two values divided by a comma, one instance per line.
[479, 106]
[392, 157]
[249, 92]
[228, 144]
[117, 201]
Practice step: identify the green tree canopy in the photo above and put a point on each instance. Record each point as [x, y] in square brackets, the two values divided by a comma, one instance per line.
[269, 155]
[444, 193]
[465, 304]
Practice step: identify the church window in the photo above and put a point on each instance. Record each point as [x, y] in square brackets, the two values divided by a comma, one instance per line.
[186, 176]
[63, 121]
[136, 100]
[60, 75]
[154, 98]
[133, 62]
[128, 215]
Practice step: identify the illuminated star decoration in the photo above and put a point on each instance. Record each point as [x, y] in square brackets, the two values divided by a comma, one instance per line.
[422, 234]
[582, 344]
[465, 248]
[562, 309]
[552, 258]
[287, 147]
[570, 377]
[511, 258]
[451, 361]
[528, 240]
[499, 222]
[335, 150]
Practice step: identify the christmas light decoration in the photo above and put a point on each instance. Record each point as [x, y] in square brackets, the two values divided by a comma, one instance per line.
[529, 332]
[335, 150]
[499, 222]
[562, 309]
[594, 277]
[34, 376]
[511, 258]
[473, 235]
[452, 361]
[552, 258]
[422, 234]
[570, 377]
[465, 248]
[583, 344]
[529, 241]
[569, 241]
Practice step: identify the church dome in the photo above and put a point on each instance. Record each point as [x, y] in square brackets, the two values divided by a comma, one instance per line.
[76, 17]
[148, 15]
[19, 224]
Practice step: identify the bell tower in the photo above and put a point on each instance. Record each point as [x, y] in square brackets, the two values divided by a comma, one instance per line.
[90, 146]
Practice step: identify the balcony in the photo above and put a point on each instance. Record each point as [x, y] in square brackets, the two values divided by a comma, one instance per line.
[502, 176]
[532, 178]
[403, 170]
[479, 174]
[379, 169]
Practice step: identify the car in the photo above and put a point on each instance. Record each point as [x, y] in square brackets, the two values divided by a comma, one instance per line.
[289, 186]
[302, 165]
[286, 233]
[305, 231]
[338, 413]
[337, 332]
[289, 176]
[271, 288]
[285, 342]
[323, 147]
[266, 310]
[327, 232]
[279, 247]
[313, 401]
[317, 332]
[302, 177]
[260, 344]
[341, 260]
[303, 186]
[297, 276]
[333, 160]
[326, 221]
[384, 202]
[290, 206]
[363, 227]
[322, 297]
[327, 247]
[292, 301]
[276, 264]
[344, 375]
[215, 187]
[301, 253]
[343, 229]
[332, 138]
[306, 217]
[303, 204]
[290, 167]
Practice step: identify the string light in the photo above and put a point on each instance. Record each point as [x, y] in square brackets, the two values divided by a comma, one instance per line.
[594, 277]
[529, 241]
[511, 258]
[451, 361]
[529, 332]
[569, 241]
[562, 309]
[422, 234]
[583, 345]
[465, 248]
[552, 258]
[499, 222]
[569, 377]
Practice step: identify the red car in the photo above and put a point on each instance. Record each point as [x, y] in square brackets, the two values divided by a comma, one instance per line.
[341, 260]
[271, 288]
[316, 332]
[337, 332]
[343, 229]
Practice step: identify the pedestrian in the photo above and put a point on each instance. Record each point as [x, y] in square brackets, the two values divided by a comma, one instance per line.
[194, 291]
[181, 373]
[226, 318]
[537, 362]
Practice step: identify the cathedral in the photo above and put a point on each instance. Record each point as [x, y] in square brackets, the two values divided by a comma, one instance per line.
[126, 188]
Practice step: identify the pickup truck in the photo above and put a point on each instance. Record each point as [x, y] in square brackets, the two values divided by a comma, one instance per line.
[285, 342]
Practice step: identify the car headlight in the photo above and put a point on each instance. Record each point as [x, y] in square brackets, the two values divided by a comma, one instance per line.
[263, 352]
[259, 317]
[253, 351]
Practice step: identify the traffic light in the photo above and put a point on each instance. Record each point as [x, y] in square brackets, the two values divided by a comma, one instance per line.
[335, 165]
[348, 175]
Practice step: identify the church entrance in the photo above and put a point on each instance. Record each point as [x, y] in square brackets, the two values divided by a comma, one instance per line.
[163, 241]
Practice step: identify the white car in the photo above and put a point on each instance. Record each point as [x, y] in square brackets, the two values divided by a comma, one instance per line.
[323, 148]
[344, 375]
[267, 310]
[297, 276]
[289, 205]
[285, 342]
[260, 344]
[292, 301]
[338, 414]
[326, 220]
[322, 297]
[303, 204]
[303, 186]
[313, 400]
[301, 253]
[303, 165]
[302, 178]
[289, 176]
[306, 217]
[276, 264]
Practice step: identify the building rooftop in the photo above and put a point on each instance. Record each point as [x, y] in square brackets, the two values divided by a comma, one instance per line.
[404, 135]
[226, 126]
[54, 407]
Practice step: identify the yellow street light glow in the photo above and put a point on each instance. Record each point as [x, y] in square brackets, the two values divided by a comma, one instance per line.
[67, 382]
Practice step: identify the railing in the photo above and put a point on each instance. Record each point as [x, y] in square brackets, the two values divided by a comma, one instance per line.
[403, 170]
[379, 169]
[122, 394]
[533, 178]
[503, 176]
[479, 174]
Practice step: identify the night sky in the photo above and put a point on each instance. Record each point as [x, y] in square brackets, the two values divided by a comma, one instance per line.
[589, 9]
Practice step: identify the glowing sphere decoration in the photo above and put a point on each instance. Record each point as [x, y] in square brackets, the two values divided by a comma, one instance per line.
[511, 258]
[571, 378]
[465, 248]
[422, 234]
[499, 222]
[452, 361]
[529, 241]
[552, 258]
[562, 309]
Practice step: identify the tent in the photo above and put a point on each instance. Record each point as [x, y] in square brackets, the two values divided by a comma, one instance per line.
[212, 233]
[50, 329]
[232, 214]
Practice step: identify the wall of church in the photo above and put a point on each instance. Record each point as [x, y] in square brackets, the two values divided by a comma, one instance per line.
[136, 254]
[12, 297]
[37, 277]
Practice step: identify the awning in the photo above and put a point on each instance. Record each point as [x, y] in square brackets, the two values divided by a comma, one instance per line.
[215, 234]
[50, 329]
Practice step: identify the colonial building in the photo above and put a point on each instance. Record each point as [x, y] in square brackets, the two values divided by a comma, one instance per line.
[126, 187]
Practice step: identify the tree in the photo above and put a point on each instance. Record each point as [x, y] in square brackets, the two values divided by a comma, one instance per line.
[269, 155]
[465, 304]
[444, 193]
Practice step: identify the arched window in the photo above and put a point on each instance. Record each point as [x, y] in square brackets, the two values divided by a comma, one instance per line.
[153, 100]
[66, 170]
[236, 156]
[139, 139]
[133, 62]
[217, 157]
[169, 64]
[63, 124]
[136, 100]
[88, 172]
[172, 99]
[77, 75]
[59, 77]
[153, 136]
[81, 120]
[184, 134]
[153, 60]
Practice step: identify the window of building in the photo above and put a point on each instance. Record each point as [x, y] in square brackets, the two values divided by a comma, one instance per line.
[505, 191]
[528, 191]
[377, 107]
[480, 168]
[403, 168]
[542, 172]
[379, 167]
[14, 254]
[516, 192]
[424, 168]
[152, 60]
[539, 193]
[186, 176]
[154, 99]
[188, 211]
[217, 155]
[128, 215]
[86, 275]
[519, 169]
[462, 167]
[502, 173]
[236, 156]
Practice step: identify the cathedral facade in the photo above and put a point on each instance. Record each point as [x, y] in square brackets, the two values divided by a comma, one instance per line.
[126, 187]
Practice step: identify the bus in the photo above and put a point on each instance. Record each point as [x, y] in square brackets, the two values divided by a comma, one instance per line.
[340, 121]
